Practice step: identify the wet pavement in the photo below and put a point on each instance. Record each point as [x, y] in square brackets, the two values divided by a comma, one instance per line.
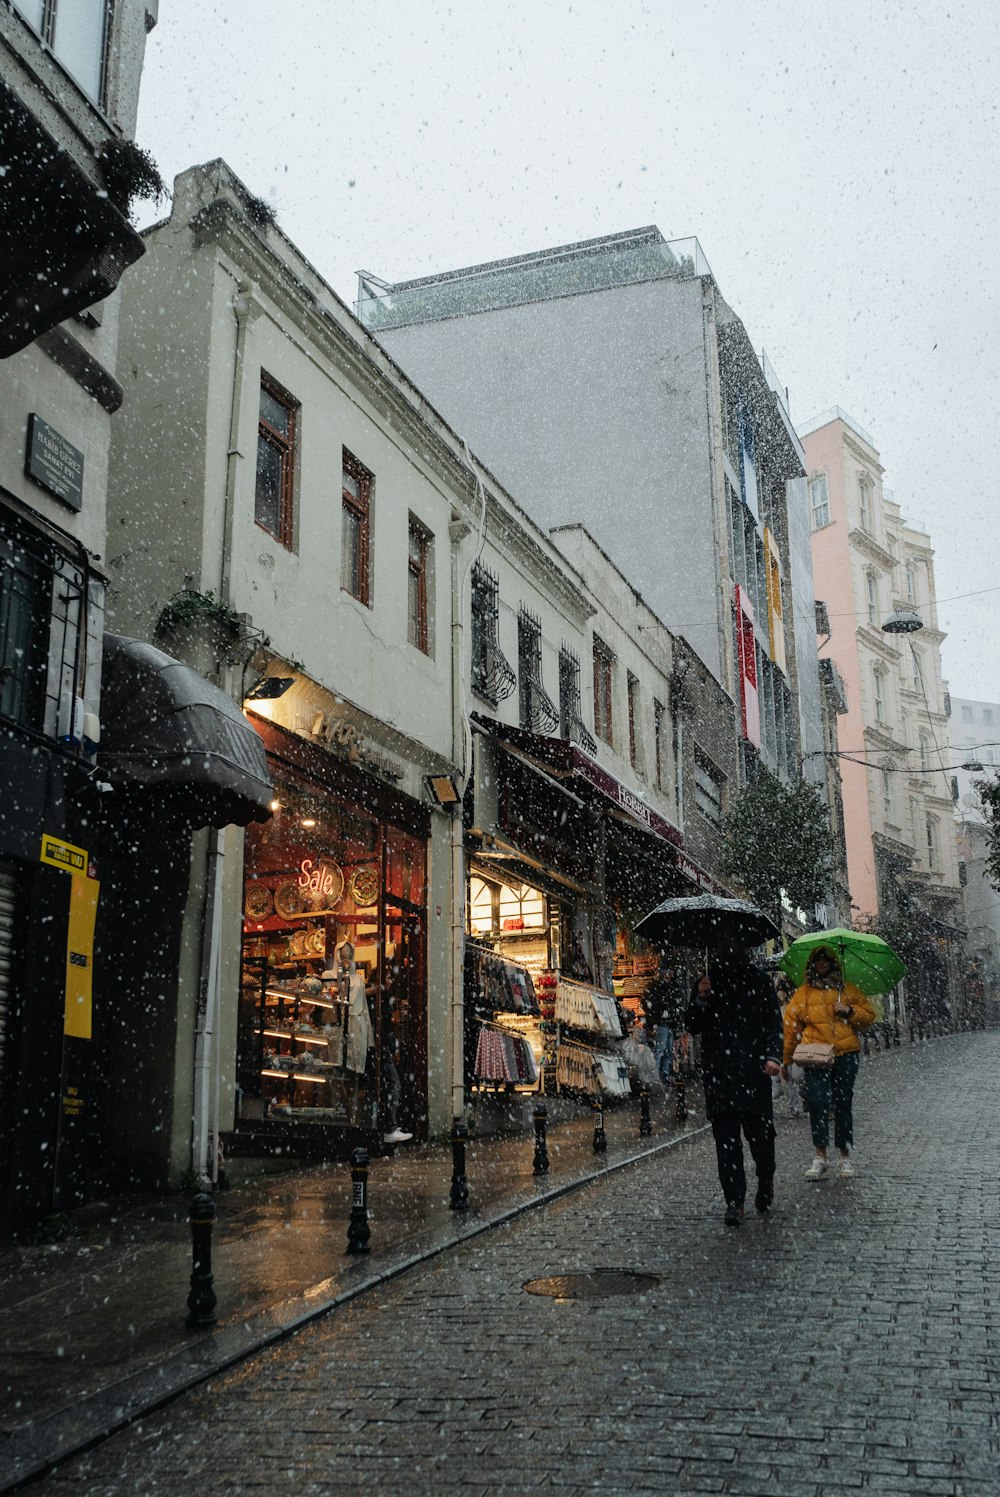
[850, 1341]
[93, 1328]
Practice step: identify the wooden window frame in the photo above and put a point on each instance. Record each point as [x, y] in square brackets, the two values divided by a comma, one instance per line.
[604, 667]
[285, 447]
[659, 716]
[361, 510]
[417, 569]
[632, 693]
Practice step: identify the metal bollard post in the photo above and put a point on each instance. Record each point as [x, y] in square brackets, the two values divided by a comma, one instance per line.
[459, 1199]
[541, 1161]
[201, 1300]
[358, 1230]
[600, 1137]
[645, 1123]
[680, 1100]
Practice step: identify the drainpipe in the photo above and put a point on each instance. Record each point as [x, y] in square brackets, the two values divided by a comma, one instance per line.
[205, 1102]
[461, 754]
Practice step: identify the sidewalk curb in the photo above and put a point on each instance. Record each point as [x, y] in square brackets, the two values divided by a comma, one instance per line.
[72, 1432]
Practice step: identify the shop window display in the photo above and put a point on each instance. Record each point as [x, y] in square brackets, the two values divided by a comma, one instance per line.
[534, 1018]
[333, 967]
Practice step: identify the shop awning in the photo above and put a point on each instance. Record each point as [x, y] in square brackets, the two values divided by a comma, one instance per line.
[172, 737]
[576, 771]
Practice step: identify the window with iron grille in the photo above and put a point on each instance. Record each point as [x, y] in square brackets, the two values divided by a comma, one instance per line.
[492, 676]
[538, 712]
[571, 723]
[274, 498]
[41, 618]
[416, 587]
[355, 529]
[707, 788]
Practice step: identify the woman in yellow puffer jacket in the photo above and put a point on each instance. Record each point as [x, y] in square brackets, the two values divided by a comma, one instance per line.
[826, 1010]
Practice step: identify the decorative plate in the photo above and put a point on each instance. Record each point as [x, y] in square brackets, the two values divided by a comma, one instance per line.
[258, 903]
[317, 942]
[364, 886]
[298, 944]
[288, 901]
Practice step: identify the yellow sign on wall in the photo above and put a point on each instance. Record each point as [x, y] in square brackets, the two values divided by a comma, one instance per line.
[83, 896]
[63, 855]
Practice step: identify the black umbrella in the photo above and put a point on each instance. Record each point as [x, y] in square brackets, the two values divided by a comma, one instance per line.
[698, 920]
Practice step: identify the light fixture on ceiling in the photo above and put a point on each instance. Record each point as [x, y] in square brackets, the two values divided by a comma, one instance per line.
[308, 821]
[443, 789]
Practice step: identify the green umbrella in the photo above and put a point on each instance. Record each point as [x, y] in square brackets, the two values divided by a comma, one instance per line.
[866, 961]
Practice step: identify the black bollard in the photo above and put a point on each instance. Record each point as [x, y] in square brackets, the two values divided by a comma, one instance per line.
[201, 1300]
[541, 1162]
[645, 1122]
[459, 1199]
[600, 1137]
[358, 1230]
[680, 1100]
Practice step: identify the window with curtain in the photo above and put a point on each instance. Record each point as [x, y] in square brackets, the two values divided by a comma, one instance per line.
[819, 501]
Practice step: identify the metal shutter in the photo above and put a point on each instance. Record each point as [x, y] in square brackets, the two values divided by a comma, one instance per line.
[8, 892]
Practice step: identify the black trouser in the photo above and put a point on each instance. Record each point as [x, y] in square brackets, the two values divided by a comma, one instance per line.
[759, 1132]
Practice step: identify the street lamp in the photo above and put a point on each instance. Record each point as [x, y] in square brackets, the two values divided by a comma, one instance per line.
[902, 621]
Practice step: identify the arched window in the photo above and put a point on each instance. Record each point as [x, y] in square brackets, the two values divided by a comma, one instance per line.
[925, 751]
[911, 583]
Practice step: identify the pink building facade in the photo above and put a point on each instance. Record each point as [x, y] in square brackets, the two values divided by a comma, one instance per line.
[868, 562]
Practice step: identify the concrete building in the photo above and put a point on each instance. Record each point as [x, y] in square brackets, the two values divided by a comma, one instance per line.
[895, 753]
[69, 82]
[479, 739]
[975, 738]
[611, 385]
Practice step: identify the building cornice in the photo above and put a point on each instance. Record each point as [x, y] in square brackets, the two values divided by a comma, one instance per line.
[863, 541]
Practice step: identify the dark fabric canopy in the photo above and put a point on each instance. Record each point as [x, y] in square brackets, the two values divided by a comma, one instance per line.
[168, 732]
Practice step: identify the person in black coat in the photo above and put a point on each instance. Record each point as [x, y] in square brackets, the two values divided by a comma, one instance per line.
[735, 1010]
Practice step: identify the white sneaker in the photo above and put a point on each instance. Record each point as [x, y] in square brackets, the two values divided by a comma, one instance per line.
[817, 1169]
[397, 1136]
[845, 1169]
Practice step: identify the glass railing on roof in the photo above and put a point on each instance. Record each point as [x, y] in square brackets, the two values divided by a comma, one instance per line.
[511, 283]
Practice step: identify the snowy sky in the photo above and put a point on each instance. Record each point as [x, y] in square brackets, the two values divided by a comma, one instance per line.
[839, 164]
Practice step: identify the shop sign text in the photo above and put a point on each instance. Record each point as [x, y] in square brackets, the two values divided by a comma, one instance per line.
[337, 733]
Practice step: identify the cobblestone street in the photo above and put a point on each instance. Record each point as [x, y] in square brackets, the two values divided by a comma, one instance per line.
[851, 1341]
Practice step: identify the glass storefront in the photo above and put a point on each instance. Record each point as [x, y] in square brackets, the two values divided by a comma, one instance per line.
[333, 984]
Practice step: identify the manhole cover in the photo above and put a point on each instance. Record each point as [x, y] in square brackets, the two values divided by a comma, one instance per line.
[600, 1284]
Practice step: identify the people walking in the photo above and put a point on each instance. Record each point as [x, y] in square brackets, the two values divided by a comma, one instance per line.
[659, 1007]
[734, 1009]
[787, 1088]
[826, 1011]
